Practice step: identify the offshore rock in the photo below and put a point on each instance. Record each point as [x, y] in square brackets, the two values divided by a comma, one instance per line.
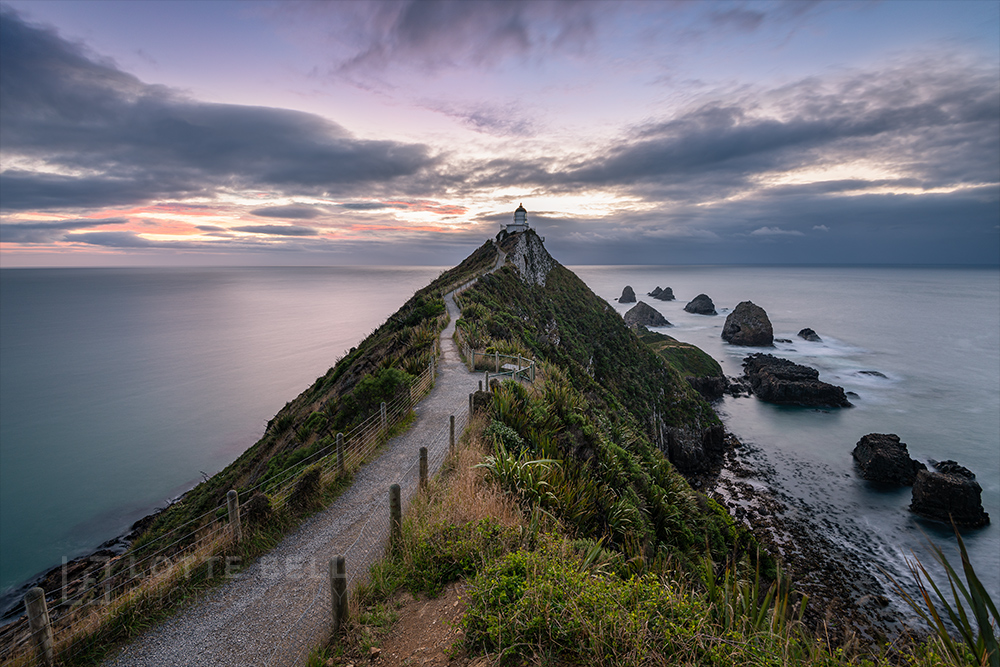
[666, 294]
[949, 494]
[701, 305]
[748, 325]
[656, 292]
[883, 458]
[810, 335]
[781, 381]
[628, 295]
[644, 315]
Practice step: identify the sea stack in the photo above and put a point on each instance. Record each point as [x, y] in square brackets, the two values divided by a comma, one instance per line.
[701, 305]
[748, 325]
[810, 335]
[666, 294]
[644, 315]
[951, 493]
[881, 457]
[628, 295]
[781, 381]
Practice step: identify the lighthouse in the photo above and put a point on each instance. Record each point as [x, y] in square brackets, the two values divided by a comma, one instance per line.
[520, 223]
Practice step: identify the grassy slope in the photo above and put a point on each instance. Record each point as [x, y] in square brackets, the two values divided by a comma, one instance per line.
[404, 343]
[593, 418]
[688, 359]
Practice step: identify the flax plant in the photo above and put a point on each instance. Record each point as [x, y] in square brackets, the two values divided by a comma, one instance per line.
[969, 601]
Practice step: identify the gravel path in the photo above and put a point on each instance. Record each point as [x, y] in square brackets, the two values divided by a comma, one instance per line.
[278, 608]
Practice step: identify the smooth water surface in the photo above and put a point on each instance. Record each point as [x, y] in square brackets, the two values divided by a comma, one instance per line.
[120, 388]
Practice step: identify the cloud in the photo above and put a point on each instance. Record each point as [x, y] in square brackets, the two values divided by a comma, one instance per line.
[50, 231]
[277, 230]
[123, 239]
[931, 124]
[294, 211]
[507, 120]
[436, 34]
[369, 205]
[101, 137]
[775, 231]
[821, 228]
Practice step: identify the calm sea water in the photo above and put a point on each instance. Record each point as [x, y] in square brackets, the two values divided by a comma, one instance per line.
[934, 333]
[120, 387]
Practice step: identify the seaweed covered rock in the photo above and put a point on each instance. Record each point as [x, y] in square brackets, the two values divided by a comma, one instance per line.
[951, 493]
[628, 295]
[781, 381]
[701, 305]
[881, 457]
[748, 325]
[644, 315]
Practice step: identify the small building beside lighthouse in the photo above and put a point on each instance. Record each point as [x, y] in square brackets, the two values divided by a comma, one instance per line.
[520, 223]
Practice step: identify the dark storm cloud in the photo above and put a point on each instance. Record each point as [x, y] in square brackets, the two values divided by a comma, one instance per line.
[136, 142]
[294, 211]
[49, 231]
[278, 230]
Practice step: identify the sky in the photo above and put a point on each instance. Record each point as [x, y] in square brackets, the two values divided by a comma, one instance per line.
[406, 132]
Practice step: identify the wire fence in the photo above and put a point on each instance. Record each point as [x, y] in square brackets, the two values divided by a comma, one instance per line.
[495, 364]
[109, 584]
[313, 626]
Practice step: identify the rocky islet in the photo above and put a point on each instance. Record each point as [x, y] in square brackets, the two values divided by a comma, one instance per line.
[748, 325]
[644, 315]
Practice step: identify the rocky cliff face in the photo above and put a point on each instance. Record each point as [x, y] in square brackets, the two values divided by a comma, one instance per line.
[526, 252]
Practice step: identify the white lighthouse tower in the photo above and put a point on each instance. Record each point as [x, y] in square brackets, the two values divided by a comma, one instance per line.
[520, 223]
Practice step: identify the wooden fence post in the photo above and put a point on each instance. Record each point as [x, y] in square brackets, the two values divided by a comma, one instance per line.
[38, 622]
[233, 500]
[395, 518]
[470, 406]
[340, 452]
[451, 434]
[496, 359]
[338, 592]
[423, 467]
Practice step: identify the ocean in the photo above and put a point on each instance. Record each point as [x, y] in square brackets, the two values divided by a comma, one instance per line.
[933, 333]
[121, 388]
